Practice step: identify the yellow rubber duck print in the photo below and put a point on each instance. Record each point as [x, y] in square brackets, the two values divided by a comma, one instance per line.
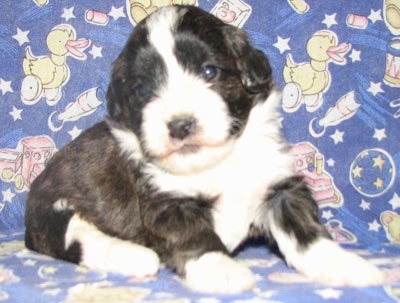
[46, 75]
[391, 15]
[307, 81]
[41, 2]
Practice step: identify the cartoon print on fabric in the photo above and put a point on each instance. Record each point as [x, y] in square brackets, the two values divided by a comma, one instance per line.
[391, 15]
[84, 105]
[372, 173]
[96, 17]
[393, 292]
[391, 223]
[393, 278]
[96, 292]
[310, 164]
[300, 6]
[41, 2]
[7, 276]
[22, 165]
[356, 120]
[392, 71]
[140, 9]
[46, 75]
[339, 233]
[234, 12]
[10, 248]
[287, 278]
[307, 81]
[344, 109]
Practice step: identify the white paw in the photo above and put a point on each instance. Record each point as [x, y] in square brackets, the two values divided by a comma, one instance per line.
[215, 272]
[326, 262]
[131, 259]
[103, 252]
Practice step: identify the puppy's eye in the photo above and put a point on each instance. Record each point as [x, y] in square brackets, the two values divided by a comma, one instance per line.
[208, 72]
[143, 90]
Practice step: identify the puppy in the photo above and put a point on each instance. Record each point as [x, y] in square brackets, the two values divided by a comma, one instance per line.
[189, 163]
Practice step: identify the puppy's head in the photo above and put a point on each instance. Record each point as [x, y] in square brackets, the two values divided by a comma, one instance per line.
[184, 85]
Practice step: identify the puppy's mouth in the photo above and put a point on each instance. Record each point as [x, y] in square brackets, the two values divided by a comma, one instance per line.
[188, 149]
[183, 148]
[192, 156]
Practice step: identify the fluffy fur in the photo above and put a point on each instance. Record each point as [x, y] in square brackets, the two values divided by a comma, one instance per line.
[188, 165]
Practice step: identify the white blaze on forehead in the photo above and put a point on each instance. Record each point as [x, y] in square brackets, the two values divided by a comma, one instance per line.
[161, 26]
[184, 92]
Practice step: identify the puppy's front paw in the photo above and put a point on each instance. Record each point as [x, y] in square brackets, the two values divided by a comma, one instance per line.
[215, 272]
[326, 262]
[103, 252]
[132, 259]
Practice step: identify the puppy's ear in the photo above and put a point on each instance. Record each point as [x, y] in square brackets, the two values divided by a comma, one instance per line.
[113, 108]
[115, 91]
[256, 73]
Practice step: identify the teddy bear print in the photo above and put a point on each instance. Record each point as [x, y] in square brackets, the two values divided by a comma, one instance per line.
[391, 223]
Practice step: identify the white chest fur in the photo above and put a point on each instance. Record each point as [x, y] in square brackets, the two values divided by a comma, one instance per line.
[240, 181]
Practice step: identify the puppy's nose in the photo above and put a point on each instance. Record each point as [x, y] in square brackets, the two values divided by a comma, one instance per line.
[180, 128]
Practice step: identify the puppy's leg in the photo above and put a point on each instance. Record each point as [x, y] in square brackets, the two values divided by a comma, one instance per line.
[292, 219]
[45, 226]
[103, 252]
[195, 251]
[216, 272]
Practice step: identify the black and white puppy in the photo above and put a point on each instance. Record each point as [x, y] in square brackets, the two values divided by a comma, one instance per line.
[189, 164]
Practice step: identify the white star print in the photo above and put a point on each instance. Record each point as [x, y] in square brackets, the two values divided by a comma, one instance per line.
[96, 52]
[337, 136]
[8, 195]
[68, 13]
[51, 270]
[280, 120]
[5, 87]
[30, 262]
[282, 44]
[375, 16]
[168, 295]
[52, 292]
[379, 134]
[365, 205]
[355, 55]
[117, 13]
[330, 162]
[75, 132]
[395, 201]
[375, 88]
[267, 294]
[202, 300]
[327, 214]
[329, 293]
[21, 37]
[374, 226]
[16, 113]
[330, 20]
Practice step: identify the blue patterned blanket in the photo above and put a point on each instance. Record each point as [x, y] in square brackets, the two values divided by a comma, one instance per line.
[344, 132]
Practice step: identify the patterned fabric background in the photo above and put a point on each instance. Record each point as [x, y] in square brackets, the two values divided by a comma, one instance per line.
[338, 65]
